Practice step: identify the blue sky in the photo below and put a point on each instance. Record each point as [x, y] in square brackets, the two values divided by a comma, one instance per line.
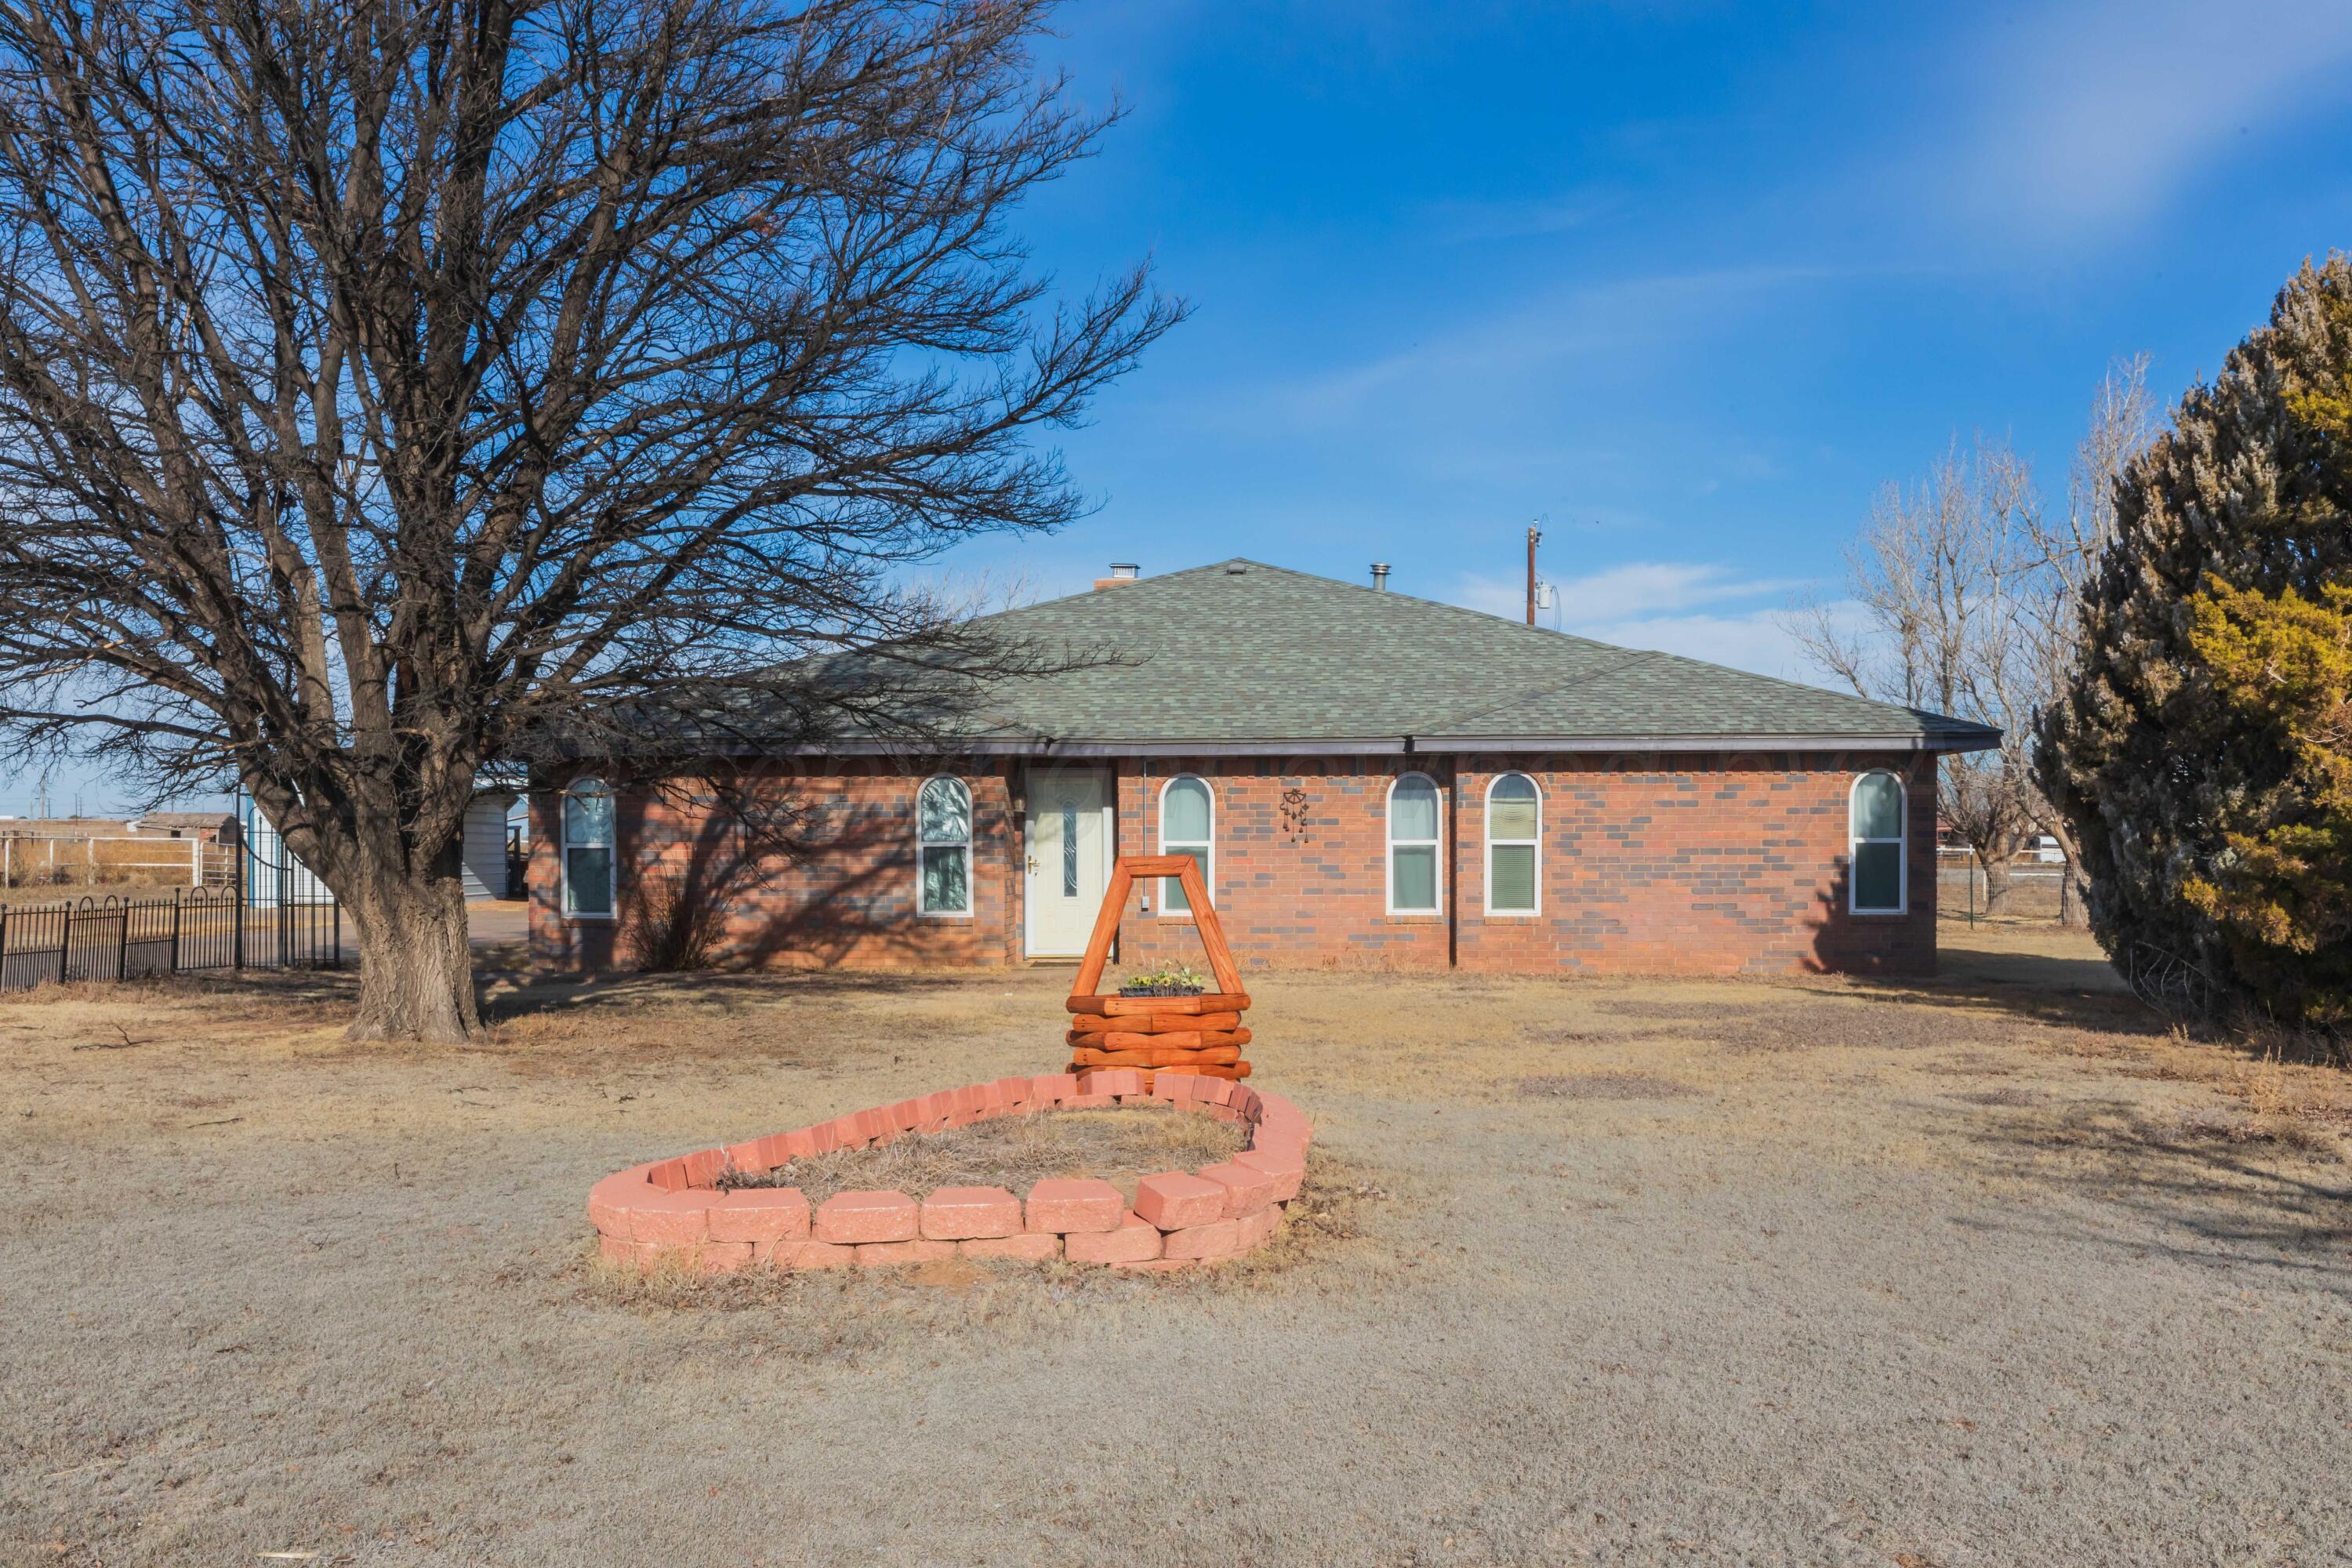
[1688, 281]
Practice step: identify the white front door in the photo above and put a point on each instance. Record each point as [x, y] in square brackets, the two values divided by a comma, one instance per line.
[1068, 858]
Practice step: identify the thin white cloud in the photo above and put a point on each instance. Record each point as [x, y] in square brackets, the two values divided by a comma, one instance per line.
[2094, 114]
[1659, 606]
[1756, 640]
[1474, 222]
[1634, 589]
[1621, 319]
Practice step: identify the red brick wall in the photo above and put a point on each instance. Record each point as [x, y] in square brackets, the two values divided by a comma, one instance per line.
[1666, 864]
[847, 899]
[1680, 864]
[1300, 873]
[1718, 864]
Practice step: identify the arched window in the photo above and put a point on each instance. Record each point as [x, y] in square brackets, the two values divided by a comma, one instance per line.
[588, 850]
[1413, 814]
[1188, 826]
[1514, 845]
[943, 847]
[1875, 822]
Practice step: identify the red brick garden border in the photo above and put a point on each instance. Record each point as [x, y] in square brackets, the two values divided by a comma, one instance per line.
[671, 1211]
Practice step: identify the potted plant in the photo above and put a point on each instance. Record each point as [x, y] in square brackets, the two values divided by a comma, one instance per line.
[1169, 980]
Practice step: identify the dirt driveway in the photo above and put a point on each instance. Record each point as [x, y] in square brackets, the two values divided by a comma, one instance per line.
[1986, 1272]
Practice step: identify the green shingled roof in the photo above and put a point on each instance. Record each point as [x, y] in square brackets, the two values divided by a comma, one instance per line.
[1241, 654]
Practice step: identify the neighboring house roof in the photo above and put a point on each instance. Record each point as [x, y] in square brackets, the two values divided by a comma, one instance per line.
[1241, 655]
[154, 824]
[182, 819]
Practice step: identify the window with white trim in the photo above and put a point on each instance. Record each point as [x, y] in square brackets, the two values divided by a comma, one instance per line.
[1514, 845]
[1878, 876]
[1188, 826]
[1414, 814]
[943, 847]
[588, 850]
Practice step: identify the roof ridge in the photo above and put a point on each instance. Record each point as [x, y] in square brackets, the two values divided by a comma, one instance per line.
[1504, 624]
[1516, 628]
[1239, 649]
[1488, 619]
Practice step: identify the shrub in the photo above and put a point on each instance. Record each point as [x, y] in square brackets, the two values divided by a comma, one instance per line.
[2203, 751]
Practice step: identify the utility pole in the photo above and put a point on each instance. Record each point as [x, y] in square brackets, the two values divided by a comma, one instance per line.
[1535, 537]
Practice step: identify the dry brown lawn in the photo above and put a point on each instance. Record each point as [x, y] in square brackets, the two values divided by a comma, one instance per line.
[1120, 1146]
[1990, 1270]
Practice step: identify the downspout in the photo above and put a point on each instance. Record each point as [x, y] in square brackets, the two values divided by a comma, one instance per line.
[1142, 819]
[1454, 864]
[1015, 945]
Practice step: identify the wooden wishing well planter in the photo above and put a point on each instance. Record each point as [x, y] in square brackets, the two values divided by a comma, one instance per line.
[1201, 1034]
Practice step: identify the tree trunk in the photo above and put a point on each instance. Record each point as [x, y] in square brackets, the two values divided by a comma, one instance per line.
[1996, 882]
[2073, 900]
[2074, 893]
[417, 966]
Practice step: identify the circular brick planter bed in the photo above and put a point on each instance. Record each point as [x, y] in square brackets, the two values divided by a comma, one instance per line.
[684, 1212]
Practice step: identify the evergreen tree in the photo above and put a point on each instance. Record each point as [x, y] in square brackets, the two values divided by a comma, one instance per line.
[2203, 751]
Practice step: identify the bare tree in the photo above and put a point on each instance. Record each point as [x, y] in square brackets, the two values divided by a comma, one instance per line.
[394, 386]
[2060, 555]
[725, 835]
[1937, 630]
[1968, 594]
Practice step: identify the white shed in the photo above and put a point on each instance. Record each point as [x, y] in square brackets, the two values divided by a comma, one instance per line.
[485, 844]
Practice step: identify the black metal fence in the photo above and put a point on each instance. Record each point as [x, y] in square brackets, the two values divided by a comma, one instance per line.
[126, 937]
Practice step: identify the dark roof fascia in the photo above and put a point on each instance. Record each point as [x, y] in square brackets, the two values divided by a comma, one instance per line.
[1909, 742]
[1405, 745]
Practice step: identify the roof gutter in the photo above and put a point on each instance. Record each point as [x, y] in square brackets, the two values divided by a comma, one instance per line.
[1404, 745]
[1796, 742]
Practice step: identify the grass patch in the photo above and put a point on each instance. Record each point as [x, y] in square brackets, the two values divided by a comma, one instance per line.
[1604, 1086]
[2004, 1097]
[1121, 1146]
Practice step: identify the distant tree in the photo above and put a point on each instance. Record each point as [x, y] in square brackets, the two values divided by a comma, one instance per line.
[2200, 747]
[1969, 593]
[1936, 629]
[2061, 553]
[391, 387]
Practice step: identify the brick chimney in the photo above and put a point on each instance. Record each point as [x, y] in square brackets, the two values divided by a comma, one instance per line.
[1121, 573]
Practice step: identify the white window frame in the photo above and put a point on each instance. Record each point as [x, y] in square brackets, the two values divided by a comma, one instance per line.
[1901, 842]
[1535, 843]
[565, 844]
[971, 829]
[1391, 842]
[1208, 862]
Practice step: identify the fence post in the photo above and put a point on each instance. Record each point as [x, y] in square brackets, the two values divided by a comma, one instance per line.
[4, 944]
[175, 932]
[123, 945]
[64, 944]
[244, 873]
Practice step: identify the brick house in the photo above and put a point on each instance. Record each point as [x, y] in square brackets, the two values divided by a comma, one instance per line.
[1369, 779]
